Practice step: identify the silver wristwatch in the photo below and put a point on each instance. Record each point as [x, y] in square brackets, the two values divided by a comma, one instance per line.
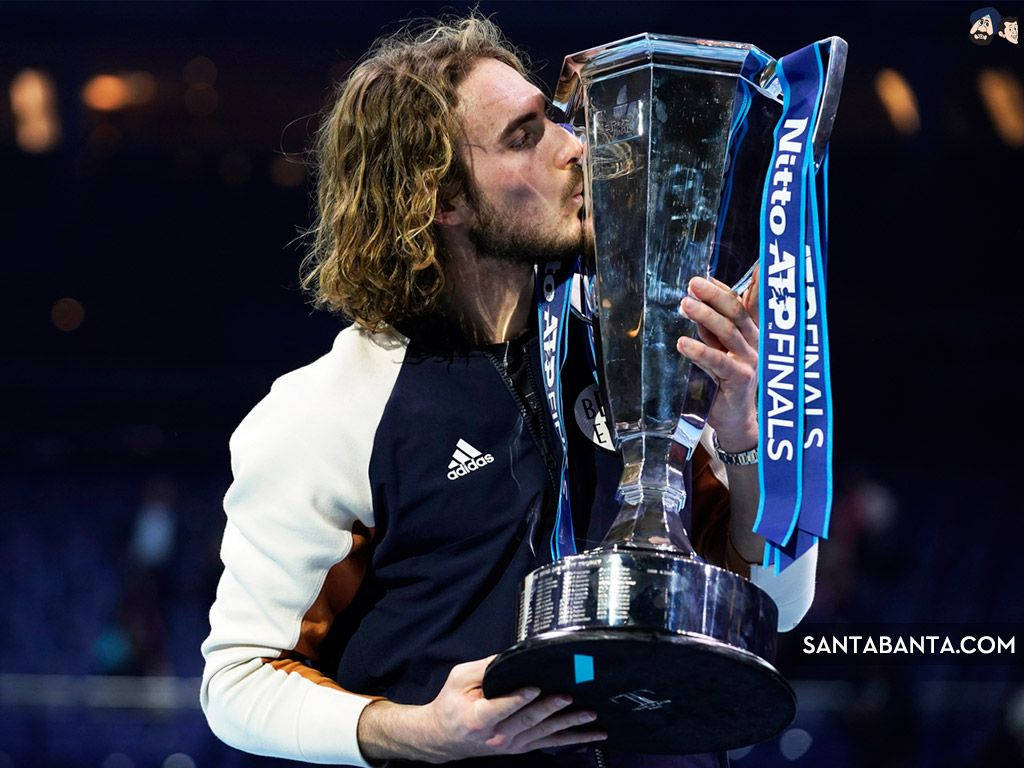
[744, 459]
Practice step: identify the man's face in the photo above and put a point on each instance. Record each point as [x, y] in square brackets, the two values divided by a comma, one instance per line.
[982, 28]
[524, 169]
[1010, 31]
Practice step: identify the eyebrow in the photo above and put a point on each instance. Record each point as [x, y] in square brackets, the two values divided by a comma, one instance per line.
[526, 117]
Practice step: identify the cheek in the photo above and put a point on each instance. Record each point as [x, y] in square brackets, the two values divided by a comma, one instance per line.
[518, 188]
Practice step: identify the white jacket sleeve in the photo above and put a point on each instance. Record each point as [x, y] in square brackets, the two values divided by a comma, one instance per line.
[792, 590]
[299, 520]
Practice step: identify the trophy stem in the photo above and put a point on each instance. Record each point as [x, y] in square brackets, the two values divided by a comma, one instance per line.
[651, 522]
[652, 491]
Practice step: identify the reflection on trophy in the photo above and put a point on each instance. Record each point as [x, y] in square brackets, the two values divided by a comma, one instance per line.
[674, 654]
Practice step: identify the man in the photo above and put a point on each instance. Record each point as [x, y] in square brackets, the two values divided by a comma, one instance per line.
[984, 22]
[1009, 29]
[389, 498]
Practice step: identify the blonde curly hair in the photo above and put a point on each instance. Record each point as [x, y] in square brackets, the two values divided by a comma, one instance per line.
[384, 154]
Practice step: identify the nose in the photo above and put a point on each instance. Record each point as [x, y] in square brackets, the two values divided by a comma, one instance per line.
[572, 152]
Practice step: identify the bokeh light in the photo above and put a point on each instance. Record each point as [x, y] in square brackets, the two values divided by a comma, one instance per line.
[794, 743]
[33, 99]
[201, 100]
[1003, 96]
[287, 172]
[200, 71]
[67, 314]
[179, 760]
[111, 92]
[106, 93]
[899, 101]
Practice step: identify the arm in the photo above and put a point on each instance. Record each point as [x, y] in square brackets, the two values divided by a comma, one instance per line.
[295, 549]
[460, 723]
[727, 350]
[294, 555]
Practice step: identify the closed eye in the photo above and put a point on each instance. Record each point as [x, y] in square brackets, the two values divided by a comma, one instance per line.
[531, 134]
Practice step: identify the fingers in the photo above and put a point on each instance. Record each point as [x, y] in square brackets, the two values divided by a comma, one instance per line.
[541, 722]
[718, 364]
[468, 677]
[555, 726]
[572, 737]
[722, 312]
[532, 716]
[727, 337]
[502, 707]
[750, 296]
[709, 338]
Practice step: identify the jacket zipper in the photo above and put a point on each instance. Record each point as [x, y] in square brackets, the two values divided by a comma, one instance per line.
[539, 441]
[599, 757]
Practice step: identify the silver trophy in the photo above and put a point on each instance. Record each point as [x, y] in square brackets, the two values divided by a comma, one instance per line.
[673, 653]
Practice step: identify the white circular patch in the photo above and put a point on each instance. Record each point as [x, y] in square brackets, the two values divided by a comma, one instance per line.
[590, 417]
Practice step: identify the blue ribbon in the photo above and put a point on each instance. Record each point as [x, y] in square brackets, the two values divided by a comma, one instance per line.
[554, 299]
[794, 409]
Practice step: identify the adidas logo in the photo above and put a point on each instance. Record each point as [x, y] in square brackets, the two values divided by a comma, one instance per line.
[465, 459]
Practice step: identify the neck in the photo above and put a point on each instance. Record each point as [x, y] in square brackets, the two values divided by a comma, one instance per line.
[491, 299]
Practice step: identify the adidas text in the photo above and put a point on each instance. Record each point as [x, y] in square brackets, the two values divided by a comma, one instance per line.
[465, 468]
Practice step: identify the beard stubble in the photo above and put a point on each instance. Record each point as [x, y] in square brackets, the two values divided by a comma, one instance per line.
[499, 236]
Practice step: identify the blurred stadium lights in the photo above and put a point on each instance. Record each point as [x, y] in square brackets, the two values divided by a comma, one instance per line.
[201, 100]
[67, 314]
[287, 172]
[1003, 96]
[899, 101]
[200, 71]
[34, 106]
[165, 692]
[99, 692]
[178, 760]
[142, 86]
[107, 93]
[794, 743]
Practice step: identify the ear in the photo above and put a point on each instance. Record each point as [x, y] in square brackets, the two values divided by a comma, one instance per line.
[452, 211]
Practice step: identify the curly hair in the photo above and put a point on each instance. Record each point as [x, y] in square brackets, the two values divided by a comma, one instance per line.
[384, 154]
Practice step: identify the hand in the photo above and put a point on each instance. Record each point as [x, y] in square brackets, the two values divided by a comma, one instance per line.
[461, 723]
[726, 350]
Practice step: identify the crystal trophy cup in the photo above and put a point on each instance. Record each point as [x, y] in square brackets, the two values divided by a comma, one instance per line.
[673, 653]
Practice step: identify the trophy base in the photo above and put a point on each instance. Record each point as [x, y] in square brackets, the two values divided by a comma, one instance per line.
[653, 692]
[672, 653]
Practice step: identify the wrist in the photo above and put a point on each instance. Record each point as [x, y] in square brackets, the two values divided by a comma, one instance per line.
[737, 438]
[391, 731]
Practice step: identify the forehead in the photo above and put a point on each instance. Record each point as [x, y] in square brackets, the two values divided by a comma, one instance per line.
[492, 94]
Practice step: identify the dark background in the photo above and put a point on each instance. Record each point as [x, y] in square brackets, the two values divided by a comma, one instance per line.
[177, 235]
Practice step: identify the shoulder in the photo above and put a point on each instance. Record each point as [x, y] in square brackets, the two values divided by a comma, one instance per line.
[310, 440]
[351, 382]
